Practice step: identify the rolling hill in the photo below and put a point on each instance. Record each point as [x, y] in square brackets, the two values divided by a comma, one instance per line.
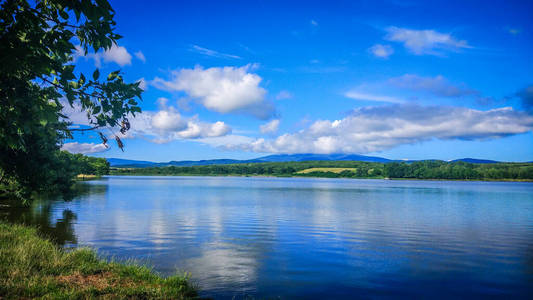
[128, 163]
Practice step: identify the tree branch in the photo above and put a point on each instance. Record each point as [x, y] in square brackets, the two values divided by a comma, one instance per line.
[78, 92]
[84, 129]
[40, 14]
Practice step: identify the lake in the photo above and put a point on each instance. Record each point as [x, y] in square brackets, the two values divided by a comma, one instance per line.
[308, 237]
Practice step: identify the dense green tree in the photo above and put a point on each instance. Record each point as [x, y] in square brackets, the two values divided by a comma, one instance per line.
[37, 78]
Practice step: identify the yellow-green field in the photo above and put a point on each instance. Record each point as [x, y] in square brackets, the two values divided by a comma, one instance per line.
[332, 170]
[87, 176]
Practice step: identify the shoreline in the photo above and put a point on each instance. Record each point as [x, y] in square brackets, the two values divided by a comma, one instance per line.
[295, 176]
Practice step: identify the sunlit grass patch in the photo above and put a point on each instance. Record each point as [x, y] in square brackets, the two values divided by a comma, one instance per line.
[332, 170]
[87, 177]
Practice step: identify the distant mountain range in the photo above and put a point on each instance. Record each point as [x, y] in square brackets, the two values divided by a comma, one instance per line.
[128, 163]
[476, 161]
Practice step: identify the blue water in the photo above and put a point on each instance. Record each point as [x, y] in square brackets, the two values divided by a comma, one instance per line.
[312, 238]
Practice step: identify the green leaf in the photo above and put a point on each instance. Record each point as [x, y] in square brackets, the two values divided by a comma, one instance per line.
[82, 80]
[77, 12]
[63, 14]
[113, 75]
[38, 39]
[96, 74]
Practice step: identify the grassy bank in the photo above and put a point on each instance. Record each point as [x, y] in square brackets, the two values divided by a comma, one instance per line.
[33, 267]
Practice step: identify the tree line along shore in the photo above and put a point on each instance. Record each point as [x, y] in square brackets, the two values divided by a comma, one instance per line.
[58, 177]
[428, 169]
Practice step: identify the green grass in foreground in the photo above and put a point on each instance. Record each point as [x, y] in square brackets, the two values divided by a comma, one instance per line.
[33, 267]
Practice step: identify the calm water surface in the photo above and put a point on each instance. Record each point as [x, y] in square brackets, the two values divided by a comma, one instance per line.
[309, 238]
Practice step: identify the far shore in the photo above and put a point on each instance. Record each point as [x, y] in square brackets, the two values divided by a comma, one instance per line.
[308, 176]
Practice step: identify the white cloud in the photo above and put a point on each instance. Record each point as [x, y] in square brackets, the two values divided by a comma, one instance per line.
[379, 128]
[217, 129]
[162, 103]
[421, 42]
[212, 53]
[270, 127]
[116, 54]
[283, 95]
[168, 120]
[224, 90]
[161, 126]
[74, 113]
[382, 51]
[84, 148]
[140, 56]
[142, 84]
[314, 23]
[371, 97]
[226, 141]
[168, 124]
[438, 85]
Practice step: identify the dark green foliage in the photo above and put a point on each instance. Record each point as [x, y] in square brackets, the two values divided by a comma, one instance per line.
[429, 169]
[89, 165]
[262, 169]
[56, 175]
[37, 77]
[432, 169]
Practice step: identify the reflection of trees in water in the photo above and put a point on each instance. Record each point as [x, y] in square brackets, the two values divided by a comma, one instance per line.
[40, 213]
[81, 189]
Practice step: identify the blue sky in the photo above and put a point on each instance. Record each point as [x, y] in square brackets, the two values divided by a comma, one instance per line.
[398, 79]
